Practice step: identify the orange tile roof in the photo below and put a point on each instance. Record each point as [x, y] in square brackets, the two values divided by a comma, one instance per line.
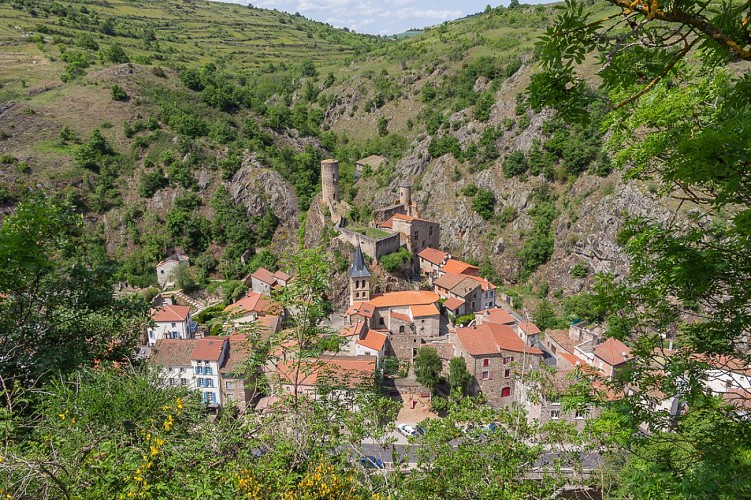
[449, 280]
[264, 275]
[365, 309]
[208, 349]
[529, 328]
[421, 311]
[407, 298]
[613, 352]
[497, 315]
[353, 330]
[373, 340]
[281, 276]
[349, 371]
[562, 339]
[724, 363]
[570, 358]
[453, 303]
[170, 313]
[490, 338]
[459, 267]
[253, 302]
[271, 321]
[486, 285]
[433, 256]
[172, 352]
[401, 317]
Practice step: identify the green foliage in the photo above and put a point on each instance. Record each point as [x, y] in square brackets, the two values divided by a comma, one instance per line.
[95, 153]
[396, 261]
[538, 246]
[515, 164]
[382, 126]
[151, 182]
[115, 54]
[459, 377]
[447, 144]
[464, 320]
[579, 270]
[484, 105]
[45, 251]
[484, 203]
[118, 93]
[586, 306]
[427, 367]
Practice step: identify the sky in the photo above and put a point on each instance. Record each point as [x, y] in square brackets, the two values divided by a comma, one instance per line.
[378, 17]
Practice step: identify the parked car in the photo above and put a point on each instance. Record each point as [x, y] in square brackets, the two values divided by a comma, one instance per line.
[371, 462]
[406, 430]
[420, 431]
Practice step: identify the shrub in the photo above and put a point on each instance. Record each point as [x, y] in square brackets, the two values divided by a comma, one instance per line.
[114, 53]
[514, 164]
[118, 93]
[579, 270]
[395, 261]
[484, 203]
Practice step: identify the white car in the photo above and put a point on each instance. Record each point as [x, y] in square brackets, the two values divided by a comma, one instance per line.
[407, 430]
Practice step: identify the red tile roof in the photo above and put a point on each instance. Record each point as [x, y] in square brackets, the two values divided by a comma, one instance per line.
[453, 303]
[281, 276]
[373, 340]
[570, 358]
[486, 285]
[496, 315]
[529, 328]
[350, 371]
[172, 352]
[169, 313]
[401, 317]
[408, 298]
[613, 352]
[422, 311]
[365, 309]
[253, 302]
[490, 338]
[433, 256]
[449, 280]
[208, 349]
[264, 275]
[459, 267]
[356, 329]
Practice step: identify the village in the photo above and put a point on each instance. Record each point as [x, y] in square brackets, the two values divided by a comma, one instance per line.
[457, 315]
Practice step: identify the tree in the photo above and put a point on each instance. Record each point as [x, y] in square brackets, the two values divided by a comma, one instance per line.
[514, 164]
[484, 203]
[688, 280]
[382, 125]
[459, 377]
[118, 93]
[428, 367]
[114, 53]
[57, 311]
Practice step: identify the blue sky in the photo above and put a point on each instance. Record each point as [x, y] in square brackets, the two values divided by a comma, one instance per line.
[378, 17]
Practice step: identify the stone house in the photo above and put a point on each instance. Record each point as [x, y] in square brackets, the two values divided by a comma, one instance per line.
[373, 162]
[340, 375]
[431, 260]
[166, 270]
[455, 266]
[264, 281]
[362, 341]
[255, 307]
[474, 292]
[611, 356]
[236, 385]
[416, 234]
[496, 357]
[170, 322]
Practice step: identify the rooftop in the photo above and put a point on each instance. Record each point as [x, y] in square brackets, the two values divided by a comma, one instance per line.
[406, 298]
[349, 371]
[459, 267]
[496, 315]
[263, 274]
[358, 268]
[365, 309]
[170, 313]
[237, 354]
[433, 256]
[172, 352]
[373, 340]
[490, 338]
[208, 349]
[452, 303]
[373, 161]
[613, 352]
[253, 302]
[422, 311]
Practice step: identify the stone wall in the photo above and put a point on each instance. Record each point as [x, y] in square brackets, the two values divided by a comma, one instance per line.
[381, 215]
[373, 248]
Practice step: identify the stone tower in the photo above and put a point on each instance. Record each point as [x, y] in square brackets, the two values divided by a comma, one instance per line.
[330, 180]
[405, 195]
[359, 279]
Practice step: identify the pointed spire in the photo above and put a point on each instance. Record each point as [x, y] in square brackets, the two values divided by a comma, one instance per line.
[358, 269]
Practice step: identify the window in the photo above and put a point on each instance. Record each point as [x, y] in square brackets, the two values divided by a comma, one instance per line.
[505, 360]
[183, 381]
[209, 382]
[512, 359]
[580, 414]
[416, 235]
[507, 374]
[380, 321]
[174, 325]
[229, 384]
[486, 362]
[728, 384]
[430, 231]
[401, 328]
[208, 370]
[230, 397]
[486, 375]
[161, 271]
[506, 392]
[555, 414]
[198, 370]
